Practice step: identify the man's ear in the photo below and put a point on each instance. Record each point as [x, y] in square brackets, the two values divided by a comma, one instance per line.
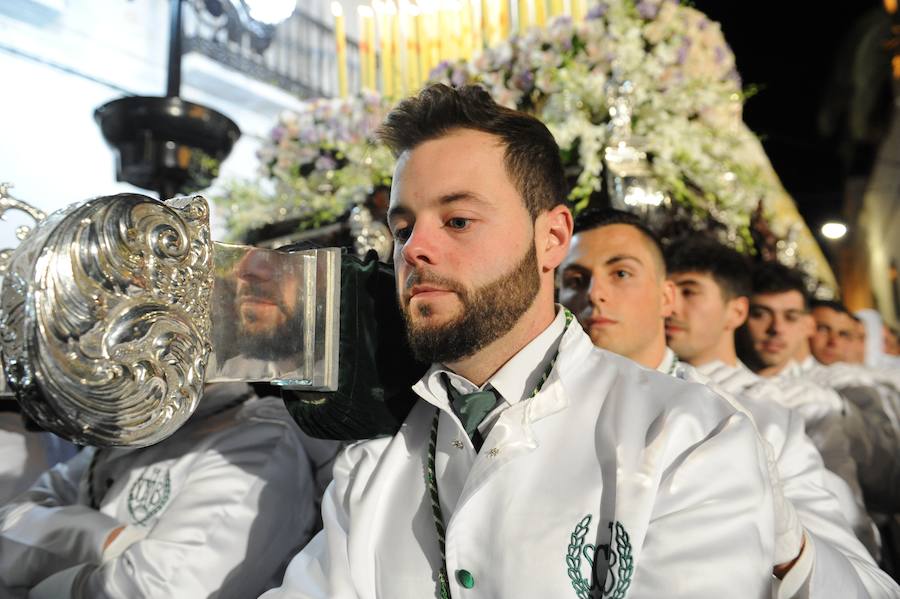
[553, 232]
[736, 311]
[668, 298]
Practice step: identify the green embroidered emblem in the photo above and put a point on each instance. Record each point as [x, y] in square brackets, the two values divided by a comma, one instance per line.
[618, 562]
[149, 494]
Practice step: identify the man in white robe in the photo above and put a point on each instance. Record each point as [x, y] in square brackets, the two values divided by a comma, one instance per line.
[615, 273]
[570, 471]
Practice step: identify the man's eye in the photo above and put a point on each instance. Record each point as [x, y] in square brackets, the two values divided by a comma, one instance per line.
[621, 274]
[458, 223]
[402, 233]
[574, 281]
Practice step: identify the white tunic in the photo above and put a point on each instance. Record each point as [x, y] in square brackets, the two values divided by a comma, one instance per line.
[834, 563]
[612, 476]
[216, 510]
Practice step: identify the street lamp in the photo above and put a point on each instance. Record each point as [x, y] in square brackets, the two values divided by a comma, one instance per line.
[834, 230]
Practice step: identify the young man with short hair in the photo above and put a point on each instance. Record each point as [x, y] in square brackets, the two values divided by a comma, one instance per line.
[835, 327]
[615, 268]
[534, 465]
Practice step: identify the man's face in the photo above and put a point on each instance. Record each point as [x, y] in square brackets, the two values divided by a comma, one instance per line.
[833, 335]
[464, 251]
[266, 299]
[612, 281]
[701, 317]
[778, 325]
[856, 351]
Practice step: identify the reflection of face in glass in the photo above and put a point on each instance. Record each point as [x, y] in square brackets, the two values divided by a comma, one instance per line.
[267, 304]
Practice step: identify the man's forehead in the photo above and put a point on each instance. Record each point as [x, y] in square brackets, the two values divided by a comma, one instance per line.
[463, 162]
[786, 300]
[601, 244]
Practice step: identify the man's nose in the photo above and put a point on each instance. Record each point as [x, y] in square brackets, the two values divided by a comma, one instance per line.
[256, 266]
[421, 246]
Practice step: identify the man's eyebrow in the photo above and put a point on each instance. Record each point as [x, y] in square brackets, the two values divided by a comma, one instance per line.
[688, 283]
[449, 198]
[621, 258]
[397, 211]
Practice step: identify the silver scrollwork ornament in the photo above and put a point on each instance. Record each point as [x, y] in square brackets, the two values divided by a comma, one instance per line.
[104, 318]
[629, 179]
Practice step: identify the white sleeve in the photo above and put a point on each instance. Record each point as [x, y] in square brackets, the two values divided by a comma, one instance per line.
[46, 530]
[322, 569]
[244, 509]
[711, 532]
[834, 564]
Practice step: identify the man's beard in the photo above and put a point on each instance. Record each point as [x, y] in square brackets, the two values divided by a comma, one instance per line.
[486, 314]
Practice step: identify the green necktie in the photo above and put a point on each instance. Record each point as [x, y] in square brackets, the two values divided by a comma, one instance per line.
[471, 409]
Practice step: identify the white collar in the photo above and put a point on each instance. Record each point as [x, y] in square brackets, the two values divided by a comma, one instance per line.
[532, 360]
[669, 362]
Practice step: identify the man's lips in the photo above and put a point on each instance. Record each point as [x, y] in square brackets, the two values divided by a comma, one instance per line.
[675, 328]
[773, 346]
[255, 299]
[600, 321]
[426, 291]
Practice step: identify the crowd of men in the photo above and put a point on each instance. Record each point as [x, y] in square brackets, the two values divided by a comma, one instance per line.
[604, 416]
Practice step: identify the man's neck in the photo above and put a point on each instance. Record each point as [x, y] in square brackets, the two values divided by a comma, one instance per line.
[770, 371]
[479, 367]
[722, 352]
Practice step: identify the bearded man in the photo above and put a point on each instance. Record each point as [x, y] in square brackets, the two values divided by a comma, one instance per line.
[533, 464]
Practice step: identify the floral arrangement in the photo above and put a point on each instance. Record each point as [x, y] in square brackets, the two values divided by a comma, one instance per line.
[316, 164]
[686, 100]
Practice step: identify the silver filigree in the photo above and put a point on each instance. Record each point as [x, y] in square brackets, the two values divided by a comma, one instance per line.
[630, 182]
[8, 203]
[104, 318]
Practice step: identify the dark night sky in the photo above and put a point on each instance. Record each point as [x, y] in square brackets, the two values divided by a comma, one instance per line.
[789, 48]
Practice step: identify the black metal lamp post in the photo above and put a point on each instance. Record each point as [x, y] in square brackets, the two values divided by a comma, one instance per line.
[167, 144]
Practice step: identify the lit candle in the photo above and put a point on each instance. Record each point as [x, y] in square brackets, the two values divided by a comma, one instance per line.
[396, 64]
[384, 42]
[504, 20]
[579, 10]
[477, 27]
[556, 8]
[422, 47]
[340, 37]
[540, 12]
[409, 14]
[466, 29]
[366, 38]
[524, 15]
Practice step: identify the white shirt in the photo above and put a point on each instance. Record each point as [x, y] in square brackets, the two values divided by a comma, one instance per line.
[215, 510]
[660, 484]
[833, 563]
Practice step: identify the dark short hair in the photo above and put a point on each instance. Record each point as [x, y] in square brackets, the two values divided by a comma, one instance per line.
[832, 305]
[728, 268]
[532, 156]
[774, 277]
[597, 218]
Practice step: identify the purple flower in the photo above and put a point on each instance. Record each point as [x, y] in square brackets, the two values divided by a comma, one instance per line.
[458, 78]
[647, 9]
[524, 81]
[598, 11]
[720, 54]
[277, 134]
[683, 50]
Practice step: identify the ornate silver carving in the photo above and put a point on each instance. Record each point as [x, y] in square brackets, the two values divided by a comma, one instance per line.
[7, 203]
[104, 318]
[629, 180]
